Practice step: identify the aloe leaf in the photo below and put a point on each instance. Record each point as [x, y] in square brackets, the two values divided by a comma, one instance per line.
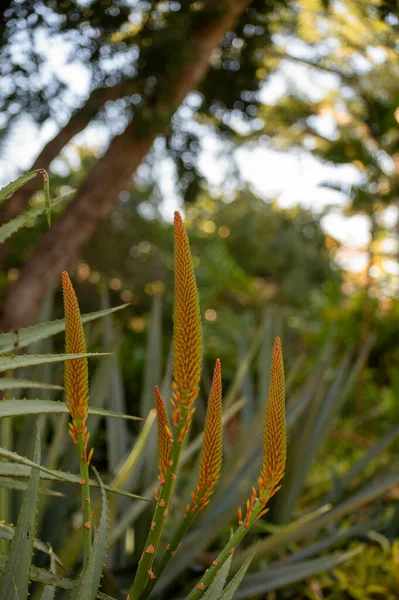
[50, 590]
[28, 335]
[62, 476]
[362, 464]
[7, 383]
[11, 227]
[19, 560]
[274, 578]
[11, 483]
[214, 590]
[231, 589]
[18, 407]
[87, 586]
[12, 187]
[7, 532]
[47, 578]
[29, 360]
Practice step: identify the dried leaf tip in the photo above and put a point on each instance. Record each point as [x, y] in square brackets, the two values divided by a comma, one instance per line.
[75, 371]
[274, 438]
[187, 334]
[212, 447]
[164, 436]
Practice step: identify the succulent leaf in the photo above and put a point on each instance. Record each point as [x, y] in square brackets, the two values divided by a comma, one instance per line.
[16, 571]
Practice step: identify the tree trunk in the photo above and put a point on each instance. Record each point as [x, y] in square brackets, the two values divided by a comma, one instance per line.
[99, 193]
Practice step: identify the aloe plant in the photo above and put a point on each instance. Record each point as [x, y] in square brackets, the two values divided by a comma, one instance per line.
[171, 438]
[176, 529]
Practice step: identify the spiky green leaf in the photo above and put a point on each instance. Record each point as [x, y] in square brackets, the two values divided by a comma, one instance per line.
[16, 407]
[231, 589]
[7, 532]
[11, 227]
[23, 466]
[48, 578]
[216, 588]
[274, 578]
[12, 187]
[12, 483]
[16, 572]
[50, 590]
[7, 383]
[29, 360]
[28, 335]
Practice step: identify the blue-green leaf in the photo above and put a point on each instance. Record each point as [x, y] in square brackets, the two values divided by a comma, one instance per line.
[20, 470]
[28, 335]
[12, 187]
[15, 407]
[11, 227]
[216, 588]
[231, 589]
[28, 360]
[7, 383]
[16, 572]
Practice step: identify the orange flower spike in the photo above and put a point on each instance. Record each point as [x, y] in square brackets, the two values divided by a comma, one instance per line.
[76, 378]
[164, 440]
[274, 439]
[187, 336]
[75, 371]
[212, 446]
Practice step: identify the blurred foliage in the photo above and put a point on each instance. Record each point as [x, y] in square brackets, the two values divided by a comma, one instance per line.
[375, 575]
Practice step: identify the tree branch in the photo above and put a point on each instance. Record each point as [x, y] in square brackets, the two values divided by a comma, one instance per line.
[99, 193]
[79, 121]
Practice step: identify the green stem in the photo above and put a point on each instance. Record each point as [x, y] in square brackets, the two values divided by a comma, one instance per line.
[86, 505]
[170, 552]
[231, 545]
[161, 510]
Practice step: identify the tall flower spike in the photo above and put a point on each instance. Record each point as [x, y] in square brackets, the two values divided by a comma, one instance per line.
[76, 377]
[187, 335]
[164, 436]
[76, 380]
[274, 438]
[212, 447]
